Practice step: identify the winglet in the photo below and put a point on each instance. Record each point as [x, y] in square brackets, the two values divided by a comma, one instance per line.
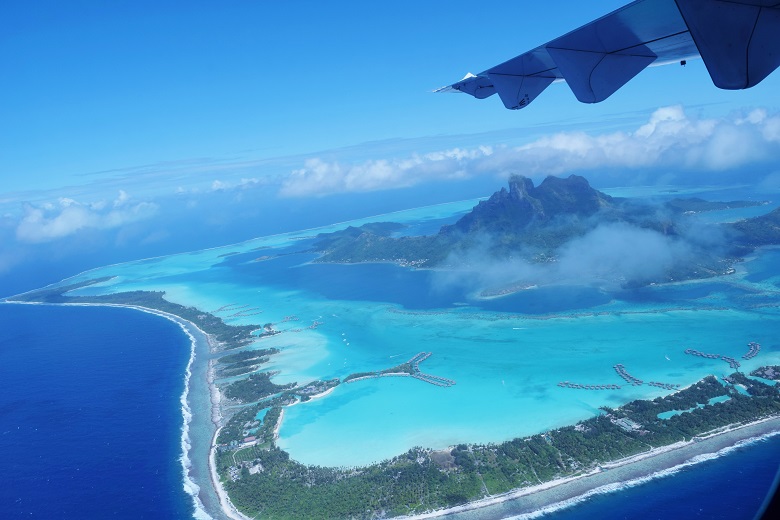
[478, 86]
[738, 40]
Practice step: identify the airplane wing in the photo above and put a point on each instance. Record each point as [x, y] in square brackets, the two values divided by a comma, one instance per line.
[738, 40]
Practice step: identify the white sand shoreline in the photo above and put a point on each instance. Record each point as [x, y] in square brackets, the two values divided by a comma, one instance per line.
[601, 477]
[772, 425]
[228, 509]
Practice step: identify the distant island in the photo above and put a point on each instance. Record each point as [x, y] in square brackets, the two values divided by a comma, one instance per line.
[522, 221]
[533, 223]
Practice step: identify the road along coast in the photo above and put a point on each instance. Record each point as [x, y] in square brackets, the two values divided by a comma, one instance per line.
[199, 470]
[613, 476]
[531, 500]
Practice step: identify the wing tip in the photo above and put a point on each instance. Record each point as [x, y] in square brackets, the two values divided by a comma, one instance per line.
[453, 87]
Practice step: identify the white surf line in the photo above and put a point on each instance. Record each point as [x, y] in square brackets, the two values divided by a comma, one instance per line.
[190, 487]
[610, 487]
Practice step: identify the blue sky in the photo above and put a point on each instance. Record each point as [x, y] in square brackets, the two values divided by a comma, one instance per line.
[118, 113]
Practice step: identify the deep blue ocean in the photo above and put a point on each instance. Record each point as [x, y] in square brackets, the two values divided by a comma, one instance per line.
[732, 487]
[90, 417]
[90, 425]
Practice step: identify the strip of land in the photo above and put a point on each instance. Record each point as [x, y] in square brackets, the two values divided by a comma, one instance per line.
[560, 492]
[228, 509]
[525, 475]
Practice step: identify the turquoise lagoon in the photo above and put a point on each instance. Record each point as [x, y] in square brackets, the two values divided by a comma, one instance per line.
[507, 355]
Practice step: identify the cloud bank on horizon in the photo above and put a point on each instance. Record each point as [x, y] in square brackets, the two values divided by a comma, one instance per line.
[233, 204]
[669, 139]
[53, 221]
[670, 142]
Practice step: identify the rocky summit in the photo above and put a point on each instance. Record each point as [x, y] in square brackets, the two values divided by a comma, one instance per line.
[523, 204]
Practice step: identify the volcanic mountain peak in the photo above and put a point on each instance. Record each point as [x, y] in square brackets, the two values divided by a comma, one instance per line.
[523, 204]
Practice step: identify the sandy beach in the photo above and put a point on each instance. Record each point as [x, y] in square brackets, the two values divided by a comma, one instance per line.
[530, 501]
[612, 476]
[216, 416]
[228, 510]
[227, 506]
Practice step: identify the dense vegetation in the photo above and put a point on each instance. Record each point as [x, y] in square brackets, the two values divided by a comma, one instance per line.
[768, 372]
[254, 388]
[424, 479]
[697, 205]
[244, 362]
[232, 336]
[533, 223]
[403, 368]
[759, 231]
[239, 426]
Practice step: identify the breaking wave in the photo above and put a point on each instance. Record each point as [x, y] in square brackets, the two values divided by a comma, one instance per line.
[190, 487]
[620, 486]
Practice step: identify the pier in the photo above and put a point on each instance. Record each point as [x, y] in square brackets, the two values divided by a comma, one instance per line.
[409, 369]
[239, 311]
[434, 380]
[417, 359]
[230, 307]
[568, 384]
[733, 363]
[755, 348]
[621, 371]
[665, 386]
[250, 311]
[628, 378]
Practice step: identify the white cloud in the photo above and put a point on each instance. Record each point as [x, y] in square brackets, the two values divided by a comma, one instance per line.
[244, 183]
[608, 256]
[620, 252]
[49, 221]
[669, 139]
[318, 177]
[771, 129]
[122, 199]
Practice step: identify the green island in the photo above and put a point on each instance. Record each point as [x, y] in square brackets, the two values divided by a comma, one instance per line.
[245, 362]
[534, 222]
[229, 336]
[262, 480]
[409, 369]
[698, 205]
[771, 372]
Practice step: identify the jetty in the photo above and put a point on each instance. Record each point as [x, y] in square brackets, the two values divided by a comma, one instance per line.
[622, 372]
[568, 384]
[755, 348]
[238, 310]
[434, 380]
[665, 386]
[409, 369]
[733, 363]
[230, 307]
[628, 378]
[248, 311]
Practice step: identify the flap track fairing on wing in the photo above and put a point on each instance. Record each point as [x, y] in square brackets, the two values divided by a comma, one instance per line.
[738, 40]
